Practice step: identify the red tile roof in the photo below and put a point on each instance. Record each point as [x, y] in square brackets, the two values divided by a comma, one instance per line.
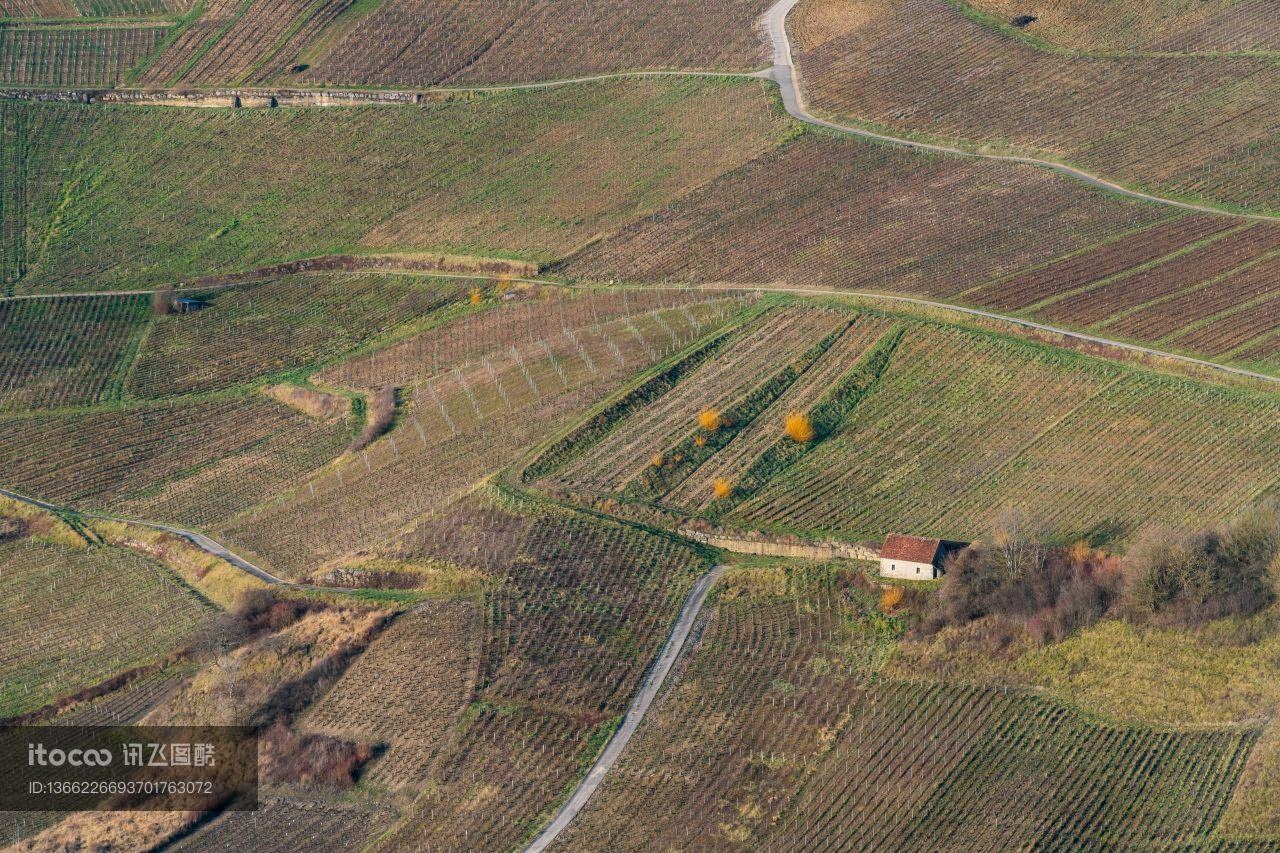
[913, 549]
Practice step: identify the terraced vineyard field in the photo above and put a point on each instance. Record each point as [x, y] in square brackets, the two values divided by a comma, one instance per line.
[1089, 446]
[1008, 770]
[288, 323]
[839, 213]
[759, 699]
[407, 691]
[193, 462]
[874, 218]
[67, 352]
[459, 425]
[162, 194]
[643, 440]
[418, 43]
[77, 617]
[937, 432]
[578, 609]
[74, 55]
[520, 324]
[1208, 136]
[740, 455]
[1148, 26]
[232, 40]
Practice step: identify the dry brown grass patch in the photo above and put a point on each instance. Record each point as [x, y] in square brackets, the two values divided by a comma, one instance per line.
[310, 401]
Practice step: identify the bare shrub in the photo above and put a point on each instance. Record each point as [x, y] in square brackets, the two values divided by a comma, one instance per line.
[310, 759]
[162, 301]
[381, 417]
[1187, 580]
[11, 528]
[263, 610]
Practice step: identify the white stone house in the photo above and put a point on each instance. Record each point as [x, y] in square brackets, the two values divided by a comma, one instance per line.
[914, 557]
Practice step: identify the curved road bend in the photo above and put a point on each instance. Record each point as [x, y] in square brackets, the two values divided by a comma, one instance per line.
[204, 543]
[635, 713]
[787, 77]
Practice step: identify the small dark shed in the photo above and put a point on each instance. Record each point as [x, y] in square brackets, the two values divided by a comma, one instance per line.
[188, 304]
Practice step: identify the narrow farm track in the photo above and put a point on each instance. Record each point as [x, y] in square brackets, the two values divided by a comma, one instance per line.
[204, 543]
[255, 277]
[787, 77]
[1017, 321]
[635, 713]
[767, 288]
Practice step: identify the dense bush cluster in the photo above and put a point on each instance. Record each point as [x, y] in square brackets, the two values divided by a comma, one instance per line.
[1051, 590]
[1188, 580]
[1168, 579]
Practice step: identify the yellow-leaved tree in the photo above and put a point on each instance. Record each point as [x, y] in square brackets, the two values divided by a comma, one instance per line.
[799, 427]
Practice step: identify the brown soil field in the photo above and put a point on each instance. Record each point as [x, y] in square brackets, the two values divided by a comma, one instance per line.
[419, 43]
[864, 217]
[1145, 26]
[407, 691]
[1202, 263]
[244, 40]
[1209, 135]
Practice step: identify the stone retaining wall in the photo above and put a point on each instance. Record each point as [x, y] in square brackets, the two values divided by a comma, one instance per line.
[777, 547]
[229, 98]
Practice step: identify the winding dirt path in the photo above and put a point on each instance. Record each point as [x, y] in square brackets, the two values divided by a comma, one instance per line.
[204, 543]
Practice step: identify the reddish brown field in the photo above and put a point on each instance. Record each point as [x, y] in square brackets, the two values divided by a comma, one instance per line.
[921, 66]
[864, 217]
[421, 43]
[1097, 263]
[1236, 329]
[1225, 294]
[1200, 264]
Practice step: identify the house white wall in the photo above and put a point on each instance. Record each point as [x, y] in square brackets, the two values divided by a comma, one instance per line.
[891, 568]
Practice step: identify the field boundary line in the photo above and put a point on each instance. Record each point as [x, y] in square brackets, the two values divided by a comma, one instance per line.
[649, 690]
[204, 543]
[250, 278]
[787, 77]
[725, 286]
[1005, 318]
